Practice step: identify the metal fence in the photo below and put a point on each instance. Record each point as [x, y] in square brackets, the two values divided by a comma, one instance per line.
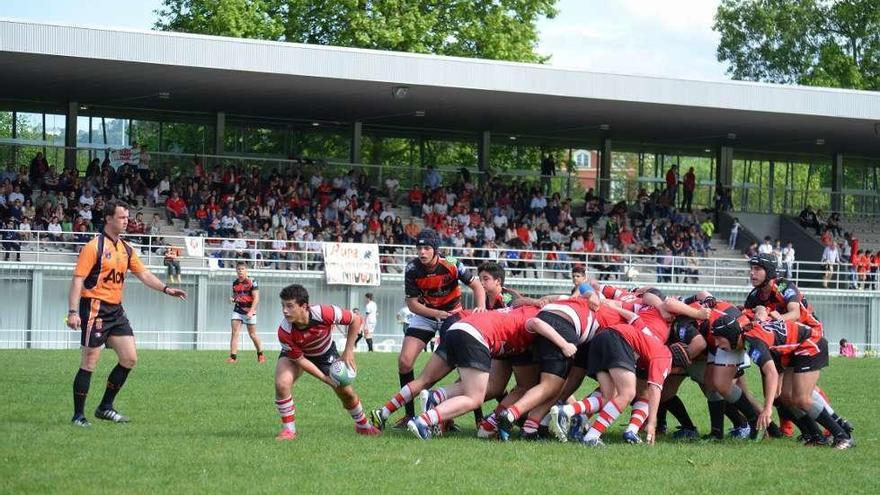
[306, 256]
[35, 290]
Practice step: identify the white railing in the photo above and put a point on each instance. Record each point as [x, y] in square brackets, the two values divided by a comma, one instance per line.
[299, 256]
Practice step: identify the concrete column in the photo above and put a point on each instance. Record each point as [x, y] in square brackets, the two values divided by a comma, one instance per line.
[836, 181]
[220, 134]
[605, 168]
[484, 151]
[201, 320]
[724, 169]
[356, 131]
[70, 135]
[36, 306]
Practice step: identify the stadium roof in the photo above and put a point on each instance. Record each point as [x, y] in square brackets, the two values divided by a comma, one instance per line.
[130, 68]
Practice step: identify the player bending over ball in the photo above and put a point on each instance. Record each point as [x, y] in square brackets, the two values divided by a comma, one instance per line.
[306, 345]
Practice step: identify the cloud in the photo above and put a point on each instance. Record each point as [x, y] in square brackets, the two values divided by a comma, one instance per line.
[687, 16]
[667, 38]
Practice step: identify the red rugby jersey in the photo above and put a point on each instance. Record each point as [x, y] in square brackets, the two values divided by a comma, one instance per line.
[315, 339]
[503, 331]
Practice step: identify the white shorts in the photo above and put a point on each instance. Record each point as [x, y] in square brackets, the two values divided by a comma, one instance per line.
[739, 358]
[423, 323]
[369, 328]
[248, 320]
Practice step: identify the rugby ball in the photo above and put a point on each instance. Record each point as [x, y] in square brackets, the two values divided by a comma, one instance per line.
[341, 373]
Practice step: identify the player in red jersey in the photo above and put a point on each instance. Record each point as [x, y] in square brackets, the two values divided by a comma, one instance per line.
[432, 294]
[468, 345]
[655, 312]
[574, 318]
[492, 277]
[307, 346]
[614, 356]
[246, 298]
[797, 350]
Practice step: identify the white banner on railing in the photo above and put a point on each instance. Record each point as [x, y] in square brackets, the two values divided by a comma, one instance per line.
[195, 247]
[351, 264]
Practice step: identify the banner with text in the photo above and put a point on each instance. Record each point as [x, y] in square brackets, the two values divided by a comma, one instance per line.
[351, 264]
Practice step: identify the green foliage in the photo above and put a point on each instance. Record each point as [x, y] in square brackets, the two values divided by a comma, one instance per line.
[809, 42]
[493, 29]
[200, 425]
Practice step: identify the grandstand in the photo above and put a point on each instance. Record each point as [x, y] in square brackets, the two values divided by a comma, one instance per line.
[142, 117]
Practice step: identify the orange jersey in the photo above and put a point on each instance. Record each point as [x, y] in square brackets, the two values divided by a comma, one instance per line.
[103, 263]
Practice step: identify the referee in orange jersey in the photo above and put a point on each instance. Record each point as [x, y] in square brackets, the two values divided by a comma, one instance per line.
[96, 310]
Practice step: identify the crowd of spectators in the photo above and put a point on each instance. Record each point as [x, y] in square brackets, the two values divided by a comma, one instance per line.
[273, 217]
[842, 254]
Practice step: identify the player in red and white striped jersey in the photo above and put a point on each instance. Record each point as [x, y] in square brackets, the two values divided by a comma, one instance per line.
[573, 318]
[307, 346]
[614, 356]
[468, 345]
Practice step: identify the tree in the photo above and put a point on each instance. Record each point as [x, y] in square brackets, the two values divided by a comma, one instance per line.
[492, 29]
[809, 42]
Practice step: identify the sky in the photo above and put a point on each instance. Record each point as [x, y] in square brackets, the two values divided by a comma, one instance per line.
[672, 38]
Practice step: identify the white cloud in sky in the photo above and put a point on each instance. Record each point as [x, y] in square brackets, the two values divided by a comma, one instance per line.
[667, 38]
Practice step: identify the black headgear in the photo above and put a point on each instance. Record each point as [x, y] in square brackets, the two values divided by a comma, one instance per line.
[428, 237]
[767, 262]
[728, 327]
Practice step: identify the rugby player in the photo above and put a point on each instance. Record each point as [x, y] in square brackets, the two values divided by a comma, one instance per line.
[307, 346]
[246, 299]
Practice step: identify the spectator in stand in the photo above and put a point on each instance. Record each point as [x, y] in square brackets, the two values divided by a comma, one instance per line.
[788, 260]
[707, 228]
[11, 242]
[853, 243]
[833, 224]
[39, 169]
[690, 185]
[672, 183]
[826, 238]
[869, 274]
[433, 181]
[548, 170]
[808, 219]
[392, 186]
[664, 266]
[54, 229]
[137, 228]
[830, 259]
[155, 228]
[538, 203]
[626, 240]
[847, 349]
[861, 264]
[752, 250]
[875, 269]
[766, 247]
[24, 229]
[416, 198]
[175, 207]
[172, 263]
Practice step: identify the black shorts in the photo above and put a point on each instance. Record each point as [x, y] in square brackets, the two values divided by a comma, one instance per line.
[448, 322]
[460, 349]
[522, 359]
[580, 358]
[100, 320]
[549, 356]
[608, 350]
[805, 364]
[322, 361]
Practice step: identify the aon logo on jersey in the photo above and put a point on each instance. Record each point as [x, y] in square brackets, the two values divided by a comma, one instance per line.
[113, 277]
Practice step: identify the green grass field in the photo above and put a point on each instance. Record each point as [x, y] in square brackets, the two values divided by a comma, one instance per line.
[200, 425]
